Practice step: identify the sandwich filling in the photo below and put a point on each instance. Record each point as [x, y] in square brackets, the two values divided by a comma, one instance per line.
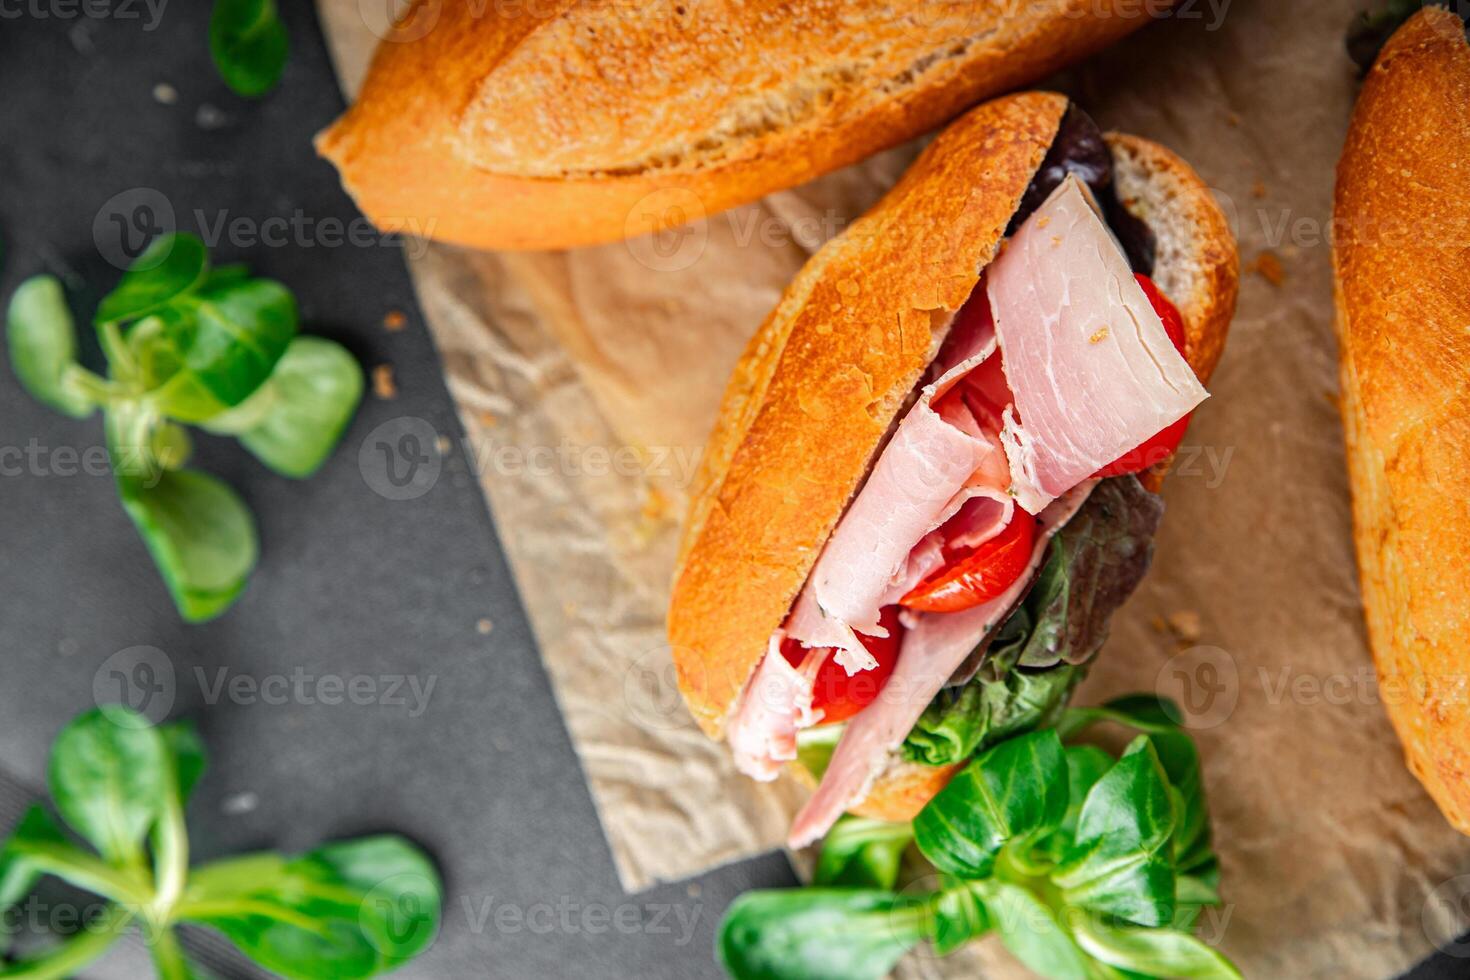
[1060, 368]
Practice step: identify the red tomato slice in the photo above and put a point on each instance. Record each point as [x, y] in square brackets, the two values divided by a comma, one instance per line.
[1162, 445]
[839, 696]
[971, 576]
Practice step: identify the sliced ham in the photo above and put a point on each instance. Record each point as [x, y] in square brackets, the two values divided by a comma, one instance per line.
[775, 705]
[940, 463]
[934, 647]
[1074, 370]
[1093, 372]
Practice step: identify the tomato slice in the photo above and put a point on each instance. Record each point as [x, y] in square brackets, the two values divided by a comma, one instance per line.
[839, 696]
[971, 576]
[1159, 448]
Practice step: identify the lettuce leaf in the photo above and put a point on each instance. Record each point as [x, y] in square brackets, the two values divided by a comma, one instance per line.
[1037, 656]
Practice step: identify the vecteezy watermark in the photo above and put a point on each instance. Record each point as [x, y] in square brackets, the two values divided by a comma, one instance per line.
[1444, 915]
[651, 691]
[129, 221]
[404, 906]
[36, 458]
[145, 679]
[1204, 681]
[300, 687]
[568, 916]
[400, 459]
[147, 12]
[141, 678]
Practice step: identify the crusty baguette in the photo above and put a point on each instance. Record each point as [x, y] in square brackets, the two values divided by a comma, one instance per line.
[549, 125]
[1402, 227]
[825, 377]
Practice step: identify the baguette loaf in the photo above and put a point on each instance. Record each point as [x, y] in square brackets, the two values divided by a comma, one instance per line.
[556, 124]
[826, 376]
[1402, 230]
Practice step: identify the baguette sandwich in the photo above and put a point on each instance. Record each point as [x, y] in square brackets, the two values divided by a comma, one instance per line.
[525, 125]
[933, 475]
[1401, 231]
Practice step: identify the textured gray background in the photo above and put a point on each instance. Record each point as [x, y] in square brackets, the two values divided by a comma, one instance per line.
[351, 584]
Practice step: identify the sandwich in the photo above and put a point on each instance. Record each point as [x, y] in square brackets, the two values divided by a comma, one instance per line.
[517, 125]
[934, 472]
[1401, 228]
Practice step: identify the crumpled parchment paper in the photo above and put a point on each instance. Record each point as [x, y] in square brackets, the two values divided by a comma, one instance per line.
[587, 381]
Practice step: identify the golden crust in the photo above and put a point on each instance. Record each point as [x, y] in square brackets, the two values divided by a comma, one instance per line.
[1402, 233]
[823, 379]
[520, 126]
[787, 454]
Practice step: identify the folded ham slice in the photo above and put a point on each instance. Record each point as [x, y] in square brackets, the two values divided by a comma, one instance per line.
[934, 647]
[1092, 369]
[940, 463]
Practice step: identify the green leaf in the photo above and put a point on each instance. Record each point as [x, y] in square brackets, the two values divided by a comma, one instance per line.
[814, 747]
[863, 853]
[958, 916]
[37, 846]
[956, 725]
[1086, 764]
[818, 934]
[169, 959]
[249, 45]
[169, 268]
[1158, 718]
[346, 910]
[1154, 952]
[1093, 565]
[1119, 863]
[226, 341]
[182, 740]
[201, 536]
[108, 774]
[1015, 792]
[18, 869]
[294, 421]
[43, 346]
[1031, 932]
[66, 960]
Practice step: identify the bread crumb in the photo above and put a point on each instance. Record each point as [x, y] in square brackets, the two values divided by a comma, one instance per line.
[1233, 118]
[383, 385]
[1157, 622]
[1268, 266]
[1099, 336]
[394, 321]
[165, 94]
[1056, 240]
[1043, 221]
[1258, 189]
[1185, 624]
[489, 419]
[442, 445]
[483, 626]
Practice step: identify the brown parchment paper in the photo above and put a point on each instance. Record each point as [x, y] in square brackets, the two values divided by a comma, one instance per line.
[587, 381]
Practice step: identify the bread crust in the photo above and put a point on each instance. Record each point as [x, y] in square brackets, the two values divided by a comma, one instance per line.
[550, 125]
[788, 453]
[1401, 234]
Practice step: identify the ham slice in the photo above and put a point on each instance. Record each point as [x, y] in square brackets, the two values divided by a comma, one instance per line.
[934, 647]
[775, 704]
[1093, 372]
[940, 463]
